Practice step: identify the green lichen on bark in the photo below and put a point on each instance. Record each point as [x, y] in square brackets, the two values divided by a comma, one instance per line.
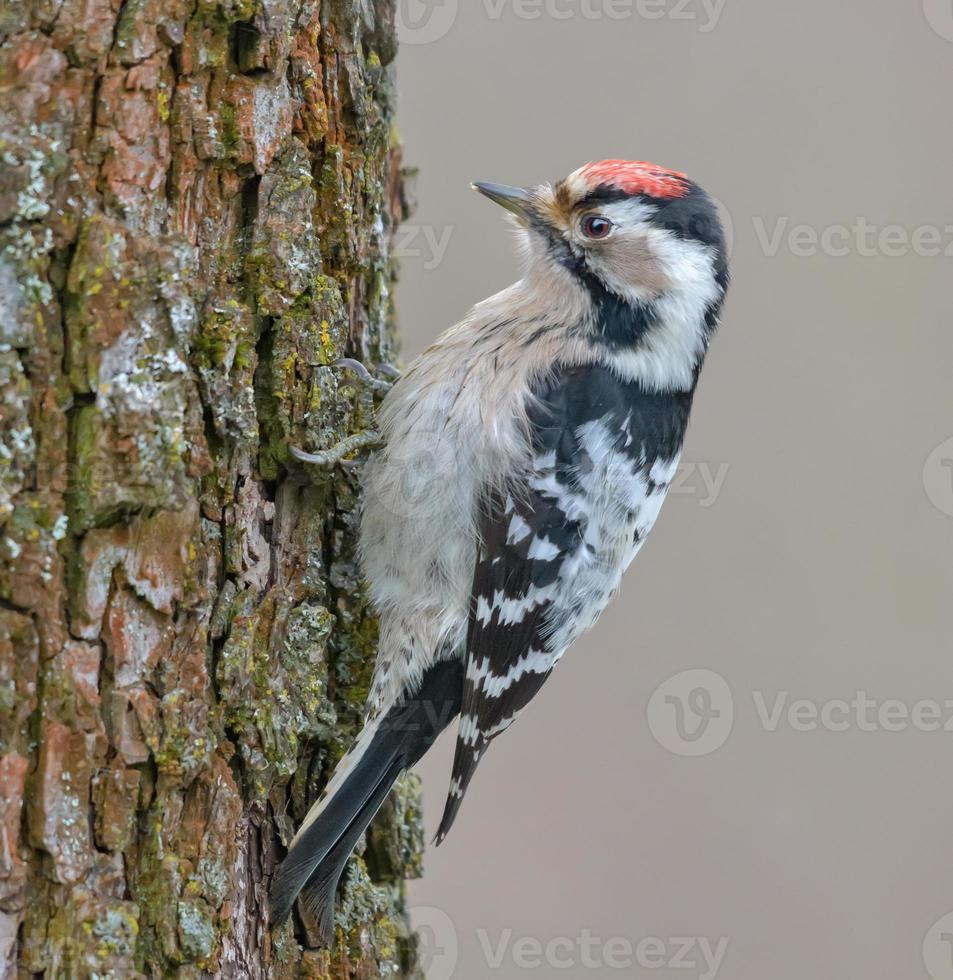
[197, 199]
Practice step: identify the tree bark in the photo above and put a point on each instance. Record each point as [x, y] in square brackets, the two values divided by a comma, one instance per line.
[196, 205]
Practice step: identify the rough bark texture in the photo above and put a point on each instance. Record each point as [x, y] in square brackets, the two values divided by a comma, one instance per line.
[196, 202]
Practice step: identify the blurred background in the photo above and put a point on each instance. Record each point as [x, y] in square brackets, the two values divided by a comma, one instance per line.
[746, 769]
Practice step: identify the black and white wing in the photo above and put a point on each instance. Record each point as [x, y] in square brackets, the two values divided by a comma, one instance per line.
[554, 548]
[526, 538]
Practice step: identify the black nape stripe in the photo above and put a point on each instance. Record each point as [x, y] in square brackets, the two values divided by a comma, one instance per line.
[619, 322]
[692, 216]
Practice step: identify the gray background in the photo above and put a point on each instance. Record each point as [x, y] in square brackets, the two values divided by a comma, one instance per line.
[822, 567]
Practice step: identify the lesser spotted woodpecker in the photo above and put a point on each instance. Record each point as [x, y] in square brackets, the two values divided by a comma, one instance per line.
[525, 456]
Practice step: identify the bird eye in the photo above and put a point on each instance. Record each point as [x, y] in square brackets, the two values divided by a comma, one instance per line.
[595, 226]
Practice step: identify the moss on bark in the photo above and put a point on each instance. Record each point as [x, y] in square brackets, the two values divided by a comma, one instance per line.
[196, 206]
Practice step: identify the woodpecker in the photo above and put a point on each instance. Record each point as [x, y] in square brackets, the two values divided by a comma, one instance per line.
[524, 458]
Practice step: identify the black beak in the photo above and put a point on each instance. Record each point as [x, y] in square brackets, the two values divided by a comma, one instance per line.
[515, 199]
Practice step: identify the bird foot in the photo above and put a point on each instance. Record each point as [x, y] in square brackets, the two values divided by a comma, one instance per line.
[337, 452]
[359, 440]
[368, 379]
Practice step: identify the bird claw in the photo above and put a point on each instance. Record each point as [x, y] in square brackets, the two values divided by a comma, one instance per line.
[337, 452]
[389, 370]
[368, 379]
[359, 440]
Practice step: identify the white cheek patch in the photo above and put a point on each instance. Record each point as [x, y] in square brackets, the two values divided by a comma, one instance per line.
[673, 346]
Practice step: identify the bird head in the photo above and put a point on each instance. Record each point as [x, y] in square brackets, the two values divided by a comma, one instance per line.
[640, 246]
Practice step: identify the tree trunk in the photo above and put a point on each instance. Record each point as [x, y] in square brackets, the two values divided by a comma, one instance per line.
[196, 204]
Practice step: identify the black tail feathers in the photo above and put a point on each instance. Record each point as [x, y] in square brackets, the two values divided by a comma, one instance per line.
[464, 766]
[319, 890]
[344, 816]
[320, 850]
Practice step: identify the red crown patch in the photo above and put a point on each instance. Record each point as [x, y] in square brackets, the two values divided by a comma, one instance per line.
[637, 177]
